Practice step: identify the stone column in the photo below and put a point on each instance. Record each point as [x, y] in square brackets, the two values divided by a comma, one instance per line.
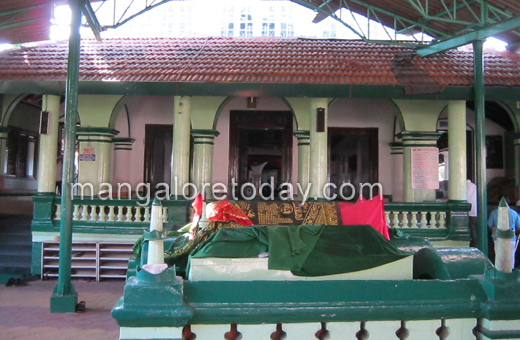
[412, 140]
[303, 160]
[457, 150]
[181, 145]
[95, 153]
[122, 148]
[318, 146]
[203, 160]
[397, 171]
[48, 146]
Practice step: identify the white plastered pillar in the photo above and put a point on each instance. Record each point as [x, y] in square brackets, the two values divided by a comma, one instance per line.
[457, 150]
[203, 160]
[95, 155]
[303, 159]
[48, 146]
[181, 145]
[318, 146]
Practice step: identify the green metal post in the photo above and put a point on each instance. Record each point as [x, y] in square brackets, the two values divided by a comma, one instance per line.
[480, 128]
[64, 297]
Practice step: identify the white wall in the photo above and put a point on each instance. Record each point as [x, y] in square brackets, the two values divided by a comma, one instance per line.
[142, 110]
[362, 113]
[342, 113]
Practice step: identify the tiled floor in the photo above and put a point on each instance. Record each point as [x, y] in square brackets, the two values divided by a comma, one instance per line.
[25, 312]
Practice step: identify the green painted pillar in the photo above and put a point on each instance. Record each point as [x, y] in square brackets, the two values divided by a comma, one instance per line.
[95, 157]
[64, 296]
[396, 150]
[303, 160]
[48, 146]
[480, 150]
[318, 148]
[202, 169]
[457, 150]
[414, 143]
[181, 146]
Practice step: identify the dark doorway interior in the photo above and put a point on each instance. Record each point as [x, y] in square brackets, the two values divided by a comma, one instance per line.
[260, 149]
[353, 158]
[157, 154]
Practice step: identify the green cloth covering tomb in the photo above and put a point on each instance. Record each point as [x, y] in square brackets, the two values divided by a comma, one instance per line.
[306, 250]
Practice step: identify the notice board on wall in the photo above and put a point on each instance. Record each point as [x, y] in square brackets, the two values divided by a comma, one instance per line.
[425, 168]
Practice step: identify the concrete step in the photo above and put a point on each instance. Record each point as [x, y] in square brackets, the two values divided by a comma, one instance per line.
[14, 269]
[19, 239]
[8, 249]
[21, 260]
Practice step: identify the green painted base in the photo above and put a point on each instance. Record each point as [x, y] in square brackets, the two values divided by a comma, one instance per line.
[5, 277]
[64, 303]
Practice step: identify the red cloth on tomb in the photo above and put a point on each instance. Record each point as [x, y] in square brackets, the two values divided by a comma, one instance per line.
[223, 211]
[371, 212]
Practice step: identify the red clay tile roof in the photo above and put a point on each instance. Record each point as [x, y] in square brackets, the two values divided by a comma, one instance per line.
[248, 60]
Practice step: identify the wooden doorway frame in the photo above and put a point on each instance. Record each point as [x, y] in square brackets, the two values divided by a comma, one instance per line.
[372, 133]
[241, 119]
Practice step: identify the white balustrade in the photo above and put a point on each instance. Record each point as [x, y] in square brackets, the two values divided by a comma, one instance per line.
[461, 329]
[110, 213]
[416, 219]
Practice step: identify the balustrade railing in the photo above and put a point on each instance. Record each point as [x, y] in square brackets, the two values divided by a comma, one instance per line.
[424, 219]
[115, 211]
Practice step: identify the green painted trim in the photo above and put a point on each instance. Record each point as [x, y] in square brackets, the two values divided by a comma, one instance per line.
[4, 129]
[433, 234]
[65, 303]
[480, 145]
[129, 149]
[36, 258]
[496, 93]
[498, 334]
[302, 134]
[480, 33]
[123, 140]
[395, 144]
[95, 137]
[204, 133]
[419, 135]
[415, 144]
[100, 130]
[14, 194]
[258, 302]
[94, 141]
[303, 143]
[203, 143]
[428, 207]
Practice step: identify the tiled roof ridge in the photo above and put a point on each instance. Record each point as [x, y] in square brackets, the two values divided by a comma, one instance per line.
[252, 59]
